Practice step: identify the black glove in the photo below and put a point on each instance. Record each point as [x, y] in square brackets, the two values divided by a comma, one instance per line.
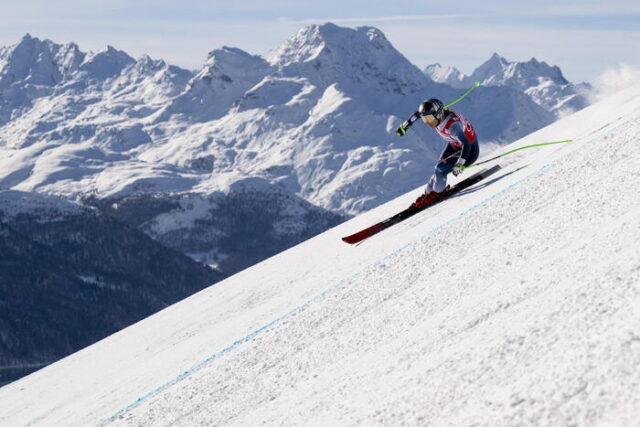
[402, 130]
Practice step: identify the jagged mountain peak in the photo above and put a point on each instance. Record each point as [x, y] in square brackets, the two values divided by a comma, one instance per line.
[226, 75]
[543, 69]
[69, 57]
[303, 46]
[230, 60]
[497, 70]
[227, 69]
[106, 63]
[26, 46]
[111, 52]
[33, 49]
[144, 61]
[30, 60]
[144, 64]
[227, 50]
[314, 40]
[496, 64]
[445, 74]
[543, 83]
[328, 54]
[150, 81]
[28, 41]
[496, 57]
[333, 35]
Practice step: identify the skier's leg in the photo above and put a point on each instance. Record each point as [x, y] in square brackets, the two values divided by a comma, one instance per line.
[474, 153]
[438, 181]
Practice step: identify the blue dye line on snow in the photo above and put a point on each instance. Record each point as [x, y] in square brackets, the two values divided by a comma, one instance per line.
[338, 286]
[298, 309]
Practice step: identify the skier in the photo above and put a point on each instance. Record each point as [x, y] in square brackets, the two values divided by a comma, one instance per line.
[461, 150]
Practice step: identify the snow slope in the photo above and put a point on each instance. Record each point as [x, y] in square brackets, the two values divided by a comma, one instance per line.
[513, 303]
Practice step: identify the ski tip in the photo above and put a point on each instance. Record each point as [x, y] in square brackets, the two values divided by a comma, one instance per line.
[352, 239]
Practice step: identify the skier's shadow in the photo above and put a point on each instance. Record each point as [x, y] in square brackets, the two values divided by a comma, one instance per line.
[484, 184]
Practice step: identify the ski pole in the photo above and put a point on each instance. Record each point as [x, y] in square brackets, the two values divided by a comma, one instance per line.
[456, 154]
[518, 149]
[402, 129]
[475, 85]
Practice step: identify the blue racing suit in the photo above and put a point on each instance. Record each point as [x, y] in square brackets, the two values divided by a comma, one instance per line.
[462, 146]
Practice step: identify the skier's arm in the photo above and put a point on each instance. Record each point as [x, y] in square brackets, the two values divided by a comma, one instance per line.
[457, 131]
[407, 124]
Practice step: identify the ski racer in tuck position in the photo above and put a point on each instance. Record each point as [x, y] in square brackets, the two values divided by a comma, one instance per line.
[461, 150]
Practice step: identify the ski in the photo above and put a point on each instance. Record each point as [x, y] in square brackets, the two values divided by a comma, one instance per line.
[410, 211]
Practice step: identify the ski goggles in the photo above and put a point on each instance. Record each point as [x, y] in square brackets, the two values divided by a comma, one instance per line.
[429, 119]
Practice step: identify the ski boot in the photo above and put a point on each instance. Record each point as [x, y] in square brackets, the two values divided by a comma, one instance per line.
[427, 199]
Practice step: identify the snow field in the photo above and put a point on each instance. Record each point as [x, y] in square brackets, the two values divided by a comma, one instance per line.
[513, 303]
[520, 310]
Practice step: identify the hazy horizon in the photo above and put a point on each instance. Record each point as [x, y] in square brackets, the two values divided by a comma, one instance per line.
[582, 38]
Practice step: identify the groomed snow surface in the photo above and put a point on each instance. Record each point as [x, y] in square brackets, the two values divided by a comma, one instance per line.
[514, 303]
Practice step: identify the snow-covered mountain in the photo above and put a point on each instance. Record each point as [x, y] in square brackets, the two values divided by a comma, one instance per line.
[448, 75]
[544, 84]
[513, 303]
[236, 162]
[229, 231]
[70, 276]
[317, 117]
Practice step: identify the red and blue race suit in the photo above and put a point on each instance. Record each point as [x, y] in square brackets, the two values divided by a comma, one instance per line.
[462, 144]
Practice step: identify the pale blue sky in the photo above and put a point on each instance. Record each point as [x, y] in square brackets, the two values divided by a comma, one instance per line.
[583, 37]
